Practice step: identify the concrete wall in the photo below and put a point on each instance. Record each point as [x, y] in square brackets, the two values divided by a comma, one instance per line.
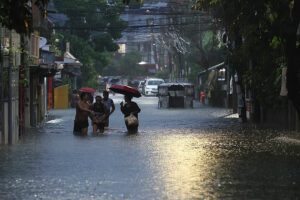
[5, 123]
[10, 115]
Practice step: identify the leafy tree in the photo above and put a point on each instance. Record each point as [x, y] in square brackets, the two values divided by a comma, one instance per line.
[204, 53]
[129, 64]
[96, 21]
[264, 32]
[162, 75]
[191, 41]
[112, 69]
[86, 54]
[22, 21]
[92, 28]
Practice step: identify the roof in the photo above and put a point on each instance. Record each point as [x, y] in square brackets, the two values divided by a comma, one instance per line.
[155, 79]
[69, 55]
[176, 84]
[212, 68]
[68, 59]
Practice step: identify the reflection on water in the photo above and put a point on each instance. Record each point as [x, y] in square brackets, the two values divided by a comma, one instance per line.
[183, 166]
[177, 154]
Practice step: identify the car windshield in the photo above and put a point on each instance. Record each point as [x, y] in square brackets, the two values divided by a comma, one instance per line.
[155, 82]
[114, 80]
[141, 83]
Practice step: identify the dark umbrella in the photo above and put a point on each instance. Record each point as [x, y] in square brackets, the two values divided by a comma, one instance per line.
[86, 89]
[126, 90]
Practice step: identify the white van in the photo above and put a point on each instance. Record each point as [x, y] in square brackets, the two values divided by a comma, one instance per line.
[151, 86]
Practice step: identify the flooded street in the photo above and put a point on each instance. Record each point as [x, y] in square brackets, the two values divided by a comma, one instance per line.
[178, 154]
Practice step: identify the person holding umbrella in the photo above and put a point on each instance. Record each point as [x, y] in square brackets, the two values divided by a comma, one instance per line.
[129, 110]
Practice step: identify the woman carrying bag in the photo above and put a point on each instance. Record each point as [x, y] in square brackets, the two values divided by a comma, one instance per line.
[130, 111]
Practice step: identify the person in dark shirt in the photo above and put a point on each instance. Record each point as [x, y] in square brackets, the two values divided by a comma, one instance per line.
[130, 107]
[100, 113]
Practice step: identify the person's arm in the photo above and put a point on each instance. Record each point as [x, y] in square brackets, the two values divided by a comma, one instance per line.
[136, 108]
[83, 108]
[112, 107]
[91, 106]
[123, 108]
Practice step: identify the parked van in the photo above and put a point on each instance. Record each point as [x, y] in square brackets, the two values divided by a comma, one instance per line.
[151, 86]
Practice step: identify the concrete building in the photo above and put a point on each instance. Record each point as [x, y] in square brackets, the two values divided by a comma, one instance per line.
[24, 69]
[143, 33]
[9, 87]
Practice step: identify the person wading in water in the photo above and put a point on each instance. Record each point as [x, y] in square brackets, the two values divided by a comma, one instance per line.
[130, 108]
[101, 113]
[83, 112]
[109, 103]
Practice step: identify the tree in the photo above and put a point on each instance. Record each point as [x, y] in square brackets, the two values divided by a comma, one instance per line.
[129, 64]
[261, 31]
[126, 66]
[95, 21]
[22, 21]
[191, 41]
[92, 28]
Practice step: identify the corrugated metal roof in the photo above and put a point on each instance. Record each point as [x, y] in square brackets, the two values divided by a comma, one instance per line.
[212, 68]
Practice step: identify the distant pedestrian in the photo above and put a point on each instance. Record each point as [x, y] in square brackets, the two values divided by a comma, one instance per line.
[202, 97]
[101, 113]
[83, 112]
[109, 103]
[130, 108]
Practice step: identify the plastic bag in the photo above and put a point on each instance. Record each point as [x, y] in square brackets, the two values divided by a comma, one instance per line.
[131, 120]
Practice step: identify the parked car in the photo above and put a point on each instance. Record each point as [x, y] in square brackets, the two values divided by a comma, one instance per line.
[151, 86]
[113, 81]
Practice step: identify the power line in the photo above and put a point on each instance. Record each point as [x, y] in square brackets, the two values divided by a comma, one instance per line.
[129, 27]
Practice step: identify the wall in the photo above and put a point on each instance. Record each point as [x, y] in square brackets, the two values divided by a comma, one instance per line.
[10, 62]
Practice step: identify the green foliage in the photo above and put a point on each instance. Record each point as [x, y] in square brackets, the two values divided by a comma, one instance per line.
[162, 75]
[129, 64]
[93, 27]
[260, 32]
[22, 21]
[276, 42]
[195, 69]
[90, 76]
[202, 44]
[126, 66]
[204, 49]
[94, 20]
[135, 4]
[67, 81]
[112, 69]
[103, 42]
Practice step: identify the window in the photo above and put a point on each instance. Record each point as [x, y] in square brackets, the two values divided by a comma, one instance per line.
[155, 82]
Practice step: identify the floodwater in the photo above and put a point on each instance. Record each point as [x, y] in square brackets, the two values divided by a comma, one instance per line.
[200, 153]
